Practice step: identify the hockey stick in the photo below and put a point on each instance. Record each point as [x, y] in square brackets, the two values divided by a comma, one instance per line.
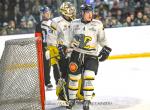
[61, 82]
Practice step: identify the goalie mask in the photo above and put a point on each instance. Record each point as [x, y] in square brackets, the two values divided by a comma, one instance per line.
[67, 9]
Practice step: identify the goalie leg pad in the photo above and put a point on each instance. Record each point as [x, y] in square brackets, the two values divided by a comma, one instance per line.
[88, 86]
[73, 85]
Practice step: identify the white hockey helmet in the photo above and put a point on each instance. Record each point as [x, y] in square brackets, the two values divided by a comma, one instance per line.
[68, 9]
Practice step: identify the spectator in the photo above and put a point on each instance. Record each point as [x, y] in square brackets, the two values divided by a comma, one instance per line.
[131, 4]
[96, 14]
[23, 27]
[128, 22]
[11, 29]
[109, 15]
[17, 14]
[30, 26]
[3, 29]
[147, 10]
[139, 19]
[116, 23]
[126, 12]
[27, 5]
[119, 15]
[139, 6]
[35, 10]
[97, 2]
[146, 20]
[28, 17]
[112, 23]
[126, 8]
[115, 8]
[52, 4]
[132, 15]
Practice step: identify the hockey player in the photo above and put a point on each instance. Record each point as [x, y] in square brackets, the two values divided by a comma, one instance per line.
[61, 26]
[43, 30]
[88, 35]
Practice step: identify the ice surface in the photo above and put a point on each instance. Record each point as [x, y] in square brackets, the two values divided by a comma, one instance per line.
[119, 85]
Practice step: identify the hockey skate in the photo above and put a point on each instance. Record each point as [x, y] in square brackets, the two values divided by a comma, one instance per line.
[86, 104]
[71, 103]
[49, 86]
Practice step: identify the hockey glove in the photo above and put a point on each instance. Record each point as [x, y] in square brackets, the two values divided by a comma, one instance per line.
[104, 53]
[62, 50]
[68, 52]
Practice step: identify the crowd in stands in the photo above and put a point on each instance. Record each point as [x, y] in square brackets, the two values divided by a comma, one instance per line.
[122, 13]
[21, 16]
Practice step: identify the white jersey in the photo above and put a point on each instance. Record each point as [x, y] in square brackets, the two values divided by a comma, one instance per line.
[87, 38]
[45, 26]
[61, 28]
[47, 33]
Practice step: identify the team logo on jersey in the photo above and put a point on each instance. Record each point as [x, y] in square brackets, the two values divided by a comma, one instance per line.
[83, 40]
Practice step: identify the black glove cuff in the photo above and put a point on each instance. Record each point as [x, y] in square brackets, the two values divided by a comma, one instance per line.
[107, 49]
[104, 53]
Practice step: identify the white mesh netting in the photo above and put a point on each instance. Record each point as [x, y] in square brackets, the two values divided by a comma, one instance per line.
[19, 76]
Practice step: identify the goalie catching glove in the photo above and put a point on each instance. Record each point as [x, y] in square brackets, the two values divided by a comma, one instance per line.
[104, 53]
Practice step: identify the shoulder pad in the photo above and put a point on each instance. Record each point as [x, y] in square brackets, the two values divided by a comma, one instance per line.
[76, 21]
[96, 21]
[57, 19]
[55, 22]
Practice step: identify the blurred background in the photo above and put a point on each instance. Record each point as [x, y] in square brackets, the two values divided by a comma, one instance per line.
[21, 16]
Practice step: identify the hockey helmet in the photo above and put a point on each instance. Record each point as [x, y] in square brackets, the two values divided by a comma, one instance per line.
[67, 9]
[86, 7]
[45, 13]
[44, 9]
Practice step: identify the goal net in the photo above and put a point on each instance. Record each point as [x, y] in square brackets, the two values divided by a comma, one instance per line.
[21, 75]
